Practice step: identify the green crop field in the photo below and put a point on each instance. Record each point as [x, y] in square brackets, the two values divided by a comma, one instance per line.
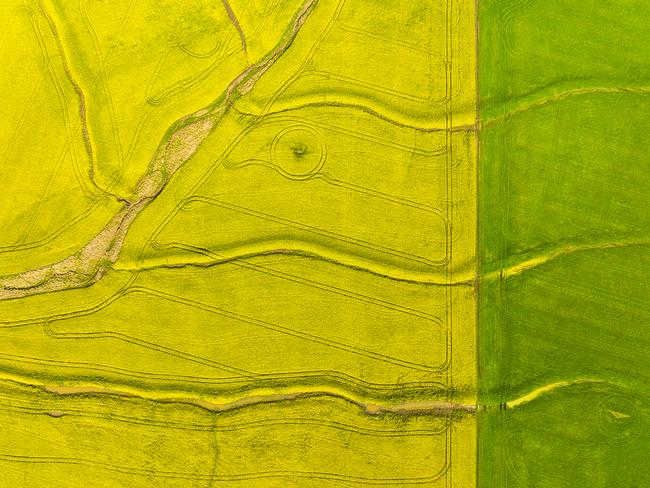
[564, 243]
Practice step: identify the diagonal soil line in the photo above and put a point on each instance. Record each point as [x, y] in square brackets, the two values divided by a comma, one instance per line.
[92, 262]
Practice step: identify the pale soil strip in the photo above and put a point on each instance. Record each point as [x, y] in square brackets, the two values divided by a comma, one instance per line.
[93, 261]
[407, 408]
[80, 94]
[562, 96]
[519, 268]
[543, 390]
[206, 259]
[424, 407]
[436, 126]
[235, 22]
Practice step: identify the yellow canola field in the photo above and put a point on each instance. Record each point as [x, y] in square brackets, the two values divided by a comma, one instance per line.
[286, 296]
